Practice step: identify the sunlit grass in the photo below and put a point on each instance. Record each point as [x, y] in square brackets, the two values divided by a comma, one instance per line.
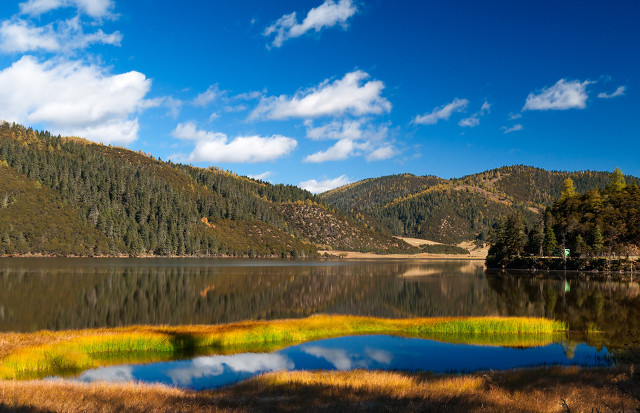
[523, 390]
[72, 351]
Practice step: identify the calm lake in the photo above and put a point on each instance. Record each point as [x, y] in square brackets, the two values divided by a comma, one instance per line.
[58, 294]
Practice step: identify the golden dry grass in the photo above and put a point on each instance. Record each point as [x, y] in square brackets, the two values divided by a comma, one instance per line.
[538, 390]
[44, 353]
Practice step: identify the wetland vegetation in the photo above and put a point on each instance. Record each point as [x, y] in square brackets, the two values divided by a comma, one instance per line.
[72, 351]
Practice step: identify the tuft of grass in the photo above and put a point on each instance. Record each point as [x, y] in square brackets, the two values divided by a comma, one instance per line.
[73, 351]
[592, 328]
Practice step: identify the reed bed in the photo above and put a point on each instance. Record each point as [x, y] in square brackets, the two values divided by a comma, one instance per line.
[46, 353]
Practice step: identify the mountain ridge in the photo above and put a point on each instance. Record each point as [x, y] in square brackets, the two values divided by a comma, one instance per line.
[459, 209]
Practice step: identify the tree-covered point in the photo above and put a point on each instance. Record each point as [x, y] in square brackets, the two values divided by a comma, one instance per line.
[597, 223]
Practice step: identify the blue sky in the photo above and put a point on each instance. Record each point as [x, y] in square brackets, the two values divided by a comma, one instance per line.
[321, 93]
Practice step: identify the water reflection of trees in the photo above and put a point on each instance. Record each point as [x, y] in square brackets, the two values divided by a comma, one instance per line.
[82, 294]
[612, 306]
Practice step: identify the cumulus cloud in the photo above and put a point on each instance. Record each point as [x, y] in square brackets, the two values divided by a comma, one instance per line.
[217, 147]
[19, 36]
[442, 112]
[339, 151]
[354, 138]
[620, 91]
[317, 187]
[349, 129]
[382, 153]
[561, 96]
[94, 8]
[328, 14]
[513, 128]
[474, 120]
[346, 95]
[74, 98]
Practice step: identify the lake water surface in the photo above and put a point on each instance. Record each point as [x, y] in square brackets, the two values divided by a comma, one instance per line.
[59, 294]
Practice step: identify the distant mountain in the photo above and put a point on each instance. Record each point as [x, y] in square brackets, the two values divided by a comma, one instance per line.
[461, 209]
[69, 196]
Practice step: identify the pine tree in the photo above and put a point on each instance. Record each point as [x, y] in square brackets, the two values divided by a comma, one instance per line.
[581, 246]
[515, 237]
[597, 242]
[550, 242]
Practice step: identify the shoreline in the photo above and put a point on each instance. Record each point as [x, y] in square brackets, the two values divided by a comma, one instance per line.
[354, 255]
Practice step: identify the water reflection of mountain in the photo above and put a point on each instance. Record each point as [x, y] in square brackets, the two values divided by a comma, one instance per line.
[64, 294]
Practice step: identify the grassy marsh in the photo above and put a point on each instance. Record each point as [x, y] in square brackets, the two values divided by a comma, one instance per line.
[45, 353]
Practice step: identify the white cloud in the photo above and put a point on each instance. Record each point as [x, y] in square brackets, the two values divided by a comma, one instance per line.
[620, 91]
[381, 356]
[328, 14]
[174, 105]
[262, 177]
[248, 95]
[474, 120]
[73, 98]
[354, 138]
[345, 95]
[470, 122]
[382, 153]
[216, 146]
[208, 96]
[337, 357]
[514, 116]
[117, 374]
[441, 112]
[349, 129]
[316, 187]
[514, 128]
[236, 363]
[19, 36]
[561, 96]
[341, 150]
[94, 8]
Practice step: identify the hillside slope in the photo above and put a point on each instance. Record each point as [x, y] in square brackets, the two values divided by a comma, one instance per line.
[124, 202]
[459, 209]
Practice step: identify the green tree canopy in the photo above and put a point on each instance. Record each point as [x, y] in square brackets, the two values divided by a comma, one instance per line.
[568, 189]
[617, 180]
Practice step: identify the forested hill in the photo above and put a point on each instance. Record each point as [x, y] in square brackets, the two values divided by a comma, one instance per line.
[69, 196]
[459, 209]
